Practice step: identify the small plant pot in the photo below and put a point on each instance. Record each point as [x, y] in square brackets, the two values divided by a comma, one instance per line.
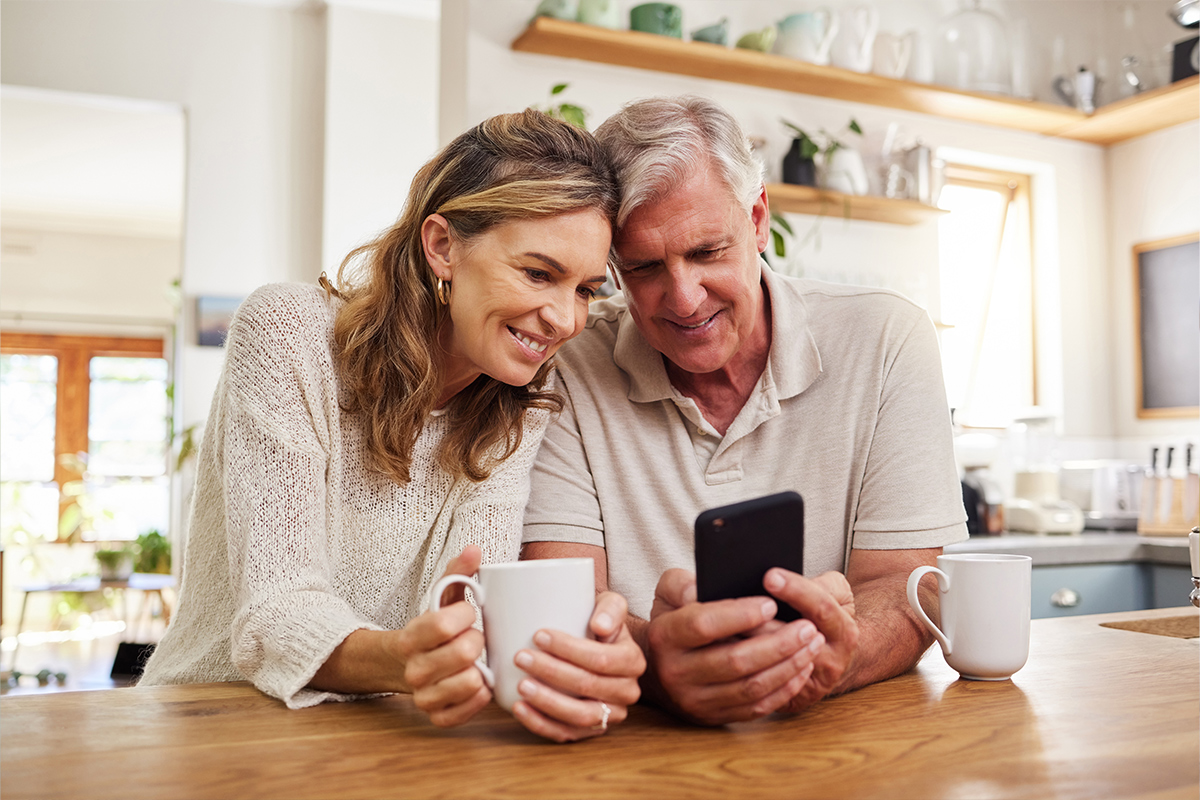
[797, 169]
[115, 565]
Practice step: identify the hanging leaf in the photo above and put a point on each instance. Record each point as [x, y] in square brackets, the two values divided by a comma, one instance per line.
[780, 221]
[558, 88]
[854, 126]
[780, 247]
[573, 114]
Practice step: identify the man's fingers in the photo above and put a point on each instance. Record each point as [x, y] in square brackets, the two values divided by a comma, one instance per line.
[822, 600]
[737, 660]
[676, 588]
[699, 624]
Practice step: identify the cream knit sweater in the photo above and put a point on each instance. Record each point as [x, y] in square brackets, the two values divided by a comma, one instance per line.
[294, 543]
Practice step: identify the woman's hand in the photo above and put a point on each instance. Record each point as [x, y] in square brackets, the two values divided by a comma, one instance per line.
[580, 687]
[438, 650]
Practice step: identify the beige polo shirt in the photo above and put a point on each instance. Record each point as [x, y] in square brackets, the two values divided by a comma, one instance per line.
[850, 412]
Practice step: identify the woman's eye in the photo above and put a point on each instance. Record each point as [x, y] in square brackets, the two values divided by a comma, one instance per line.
[587, 291]
[538, 275]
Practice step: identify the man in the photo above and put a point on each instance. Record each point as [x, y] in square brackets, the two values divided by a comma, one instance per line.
[713, 380]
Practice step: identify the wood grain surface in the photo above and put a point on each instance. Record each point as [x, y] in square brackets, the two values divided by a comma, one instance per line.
[1096, 712]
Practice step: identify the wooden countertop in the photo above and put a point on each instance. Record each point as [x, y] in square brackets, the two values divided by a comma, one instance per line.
[1097, 712]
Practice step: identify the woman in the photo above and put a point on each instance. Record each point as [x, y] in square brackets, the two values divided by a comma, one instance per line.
[365, 440]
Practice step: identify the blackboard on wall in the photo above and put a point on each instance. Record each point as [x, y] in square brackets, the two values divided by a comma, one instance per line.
[1167, 306]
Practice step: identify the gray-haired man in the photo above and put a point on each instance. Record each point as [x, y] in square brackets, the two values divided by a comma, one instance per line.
[714, 380]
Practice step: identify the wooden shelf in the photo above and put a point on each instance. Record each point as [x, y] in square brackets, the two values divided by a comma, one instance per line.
[818, 202]
[1170, 105]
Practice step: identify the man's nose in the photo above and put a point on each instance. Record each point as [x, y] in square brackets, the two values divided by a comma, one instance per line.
[684, 292]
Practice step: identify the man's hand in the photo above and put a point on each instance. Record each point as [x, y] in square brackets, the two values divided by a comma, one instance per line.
[722, 662]
[829, 603]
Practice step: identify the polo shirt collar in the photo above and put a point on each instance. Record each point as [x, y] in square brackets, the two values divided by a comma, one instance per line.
[792, 365]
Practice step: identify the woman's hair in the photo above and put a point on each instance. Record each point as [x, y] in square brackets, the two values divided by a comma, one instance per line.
[509, 167]
[657, 143]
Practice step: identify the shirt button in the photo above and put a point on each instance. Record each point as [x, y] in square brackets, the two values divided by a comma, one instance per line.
[701, 431]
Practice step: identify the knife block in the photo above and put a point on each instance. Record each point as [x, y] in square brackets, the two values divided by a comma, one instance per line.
[1169, 506]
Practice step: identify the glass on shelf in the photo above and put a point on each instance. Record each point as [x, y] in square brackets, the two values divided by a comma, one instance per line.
[971, 51]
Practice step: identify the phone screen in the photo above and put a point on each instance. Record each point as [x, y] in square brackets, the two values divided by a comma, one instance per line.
[737, 544]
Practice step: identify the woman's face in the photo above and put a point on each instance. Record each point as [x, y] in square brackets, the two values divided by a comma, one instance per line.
[518, 291]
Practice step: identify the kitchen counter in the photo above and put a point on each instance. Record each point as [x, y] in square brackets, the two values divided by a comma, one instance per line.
[1084, 548]
[1096, 712]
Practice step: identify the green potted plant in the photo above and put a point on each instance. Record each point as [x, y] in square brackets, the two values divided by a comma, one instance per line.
[153, 553]
[116, 563]
[841, 165]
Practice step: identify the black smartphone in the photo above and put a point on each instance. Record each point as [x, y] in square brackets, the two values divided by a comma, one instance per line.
[737, 544]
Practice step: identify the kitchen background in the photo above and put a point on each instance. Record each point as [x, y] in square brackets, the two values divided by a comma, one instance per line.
[250, 142]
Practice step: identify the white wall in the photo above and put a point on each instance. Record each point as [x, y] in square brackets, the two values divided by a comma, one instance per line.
[1154, 193]
[380, 120]
[239, 71]
[1070, 182]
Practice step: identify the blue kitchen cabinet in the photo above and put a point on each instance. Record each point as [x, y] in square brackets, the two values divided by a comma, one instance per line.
[1071, 590]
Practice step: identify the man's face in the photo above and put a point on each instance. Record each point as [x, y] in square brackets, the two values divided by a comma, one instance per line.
[690, 272]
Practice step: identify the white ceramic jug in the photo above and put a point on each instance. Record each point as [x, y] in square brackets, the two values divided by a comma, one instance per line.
[807, 36]
[844, 172]
[856, 38]
[892, 53]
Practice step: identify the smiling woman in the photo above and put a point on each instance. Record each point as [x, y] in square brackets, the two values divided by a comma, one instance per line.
[371, 436]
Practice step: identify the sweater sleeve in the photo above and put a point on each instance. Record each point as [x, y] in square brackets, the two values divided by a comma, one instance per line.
[280, 410]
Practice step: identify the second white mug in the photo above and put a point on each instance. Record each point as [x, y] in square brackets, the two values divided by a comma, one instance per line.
[985, 602]
[518, 599]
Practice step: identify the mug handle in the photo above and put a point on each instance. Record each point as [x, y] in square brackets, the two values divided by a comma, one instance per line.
[943, 587]
[435, 604]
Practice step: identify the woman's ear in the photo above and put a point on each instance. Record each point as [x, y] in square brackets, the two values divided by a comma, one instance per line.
[435, 241]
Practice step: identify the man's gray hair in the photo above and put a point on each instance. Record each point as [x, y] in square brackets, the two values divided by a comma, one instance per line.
[657, 143]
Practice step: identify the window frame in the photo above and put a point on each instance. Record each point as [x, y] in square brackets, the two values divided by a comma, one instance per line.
[73, 388]
[1019, 186]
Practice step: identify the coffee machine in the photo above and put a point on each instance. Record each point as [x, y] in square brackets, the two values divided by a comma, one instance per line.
[1036, 506]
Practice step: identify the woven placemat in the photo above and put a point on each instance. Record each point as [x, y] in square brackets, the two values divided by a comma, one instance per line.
[1179, 627]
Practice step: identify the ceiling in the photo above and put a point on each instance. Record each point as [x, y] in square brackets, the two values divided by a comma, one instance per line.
[70, 160]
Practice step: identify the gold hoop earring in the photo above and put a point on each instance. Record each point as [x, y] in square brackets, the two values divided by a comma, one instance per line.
[442, 289]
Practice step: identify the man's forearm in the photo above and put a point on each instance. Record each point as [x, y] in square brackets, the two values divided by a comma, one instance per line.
[891, 637]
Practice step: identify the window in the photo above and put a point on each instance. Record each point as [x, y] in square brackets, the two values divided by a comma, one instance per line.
[988, 349]
[84, 436]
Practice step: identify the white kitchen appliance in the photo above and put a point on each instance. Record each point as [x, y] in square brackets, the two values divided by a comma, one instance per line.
[1036, 506]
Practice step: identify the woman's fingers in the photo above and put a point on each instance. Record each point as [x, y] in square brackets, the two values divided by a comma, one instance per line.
[555, 716]
[455, 700]
[466, 563]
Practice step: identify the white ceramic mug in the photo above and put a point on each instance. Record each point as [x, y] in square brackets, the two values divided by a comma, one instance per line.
[985, 601]
[518, 599]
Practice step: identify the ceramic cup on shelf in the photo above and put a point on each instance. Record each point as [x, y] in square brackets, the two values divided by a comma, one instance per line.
[852, 47]
[518, 599]
[985, 601]
[807, 36]
[760, 40]
[717, 33]
[602, 13]
[892, 53]
[664, 19]
[558, 9]
[844, 172]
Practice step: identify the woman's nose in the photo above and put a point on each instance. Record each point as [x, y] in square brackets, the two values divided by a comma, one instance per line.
[559, 313]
